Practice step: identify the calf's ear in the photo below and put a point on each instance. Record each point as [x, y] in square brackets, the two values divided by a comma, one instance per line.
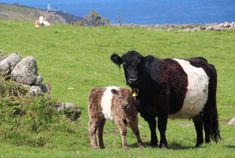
[116, 59]
[114, 91]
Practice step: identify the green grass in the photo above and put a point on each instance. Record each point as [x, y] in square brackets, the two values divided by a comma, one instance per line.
[76, 59]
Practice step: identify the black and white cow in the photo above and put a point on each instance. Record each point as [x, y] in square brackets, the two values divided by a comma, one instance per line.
[173, 88]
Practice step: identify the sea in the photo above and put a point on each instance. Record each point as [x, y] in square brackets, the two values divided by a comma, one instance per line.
[143, 11]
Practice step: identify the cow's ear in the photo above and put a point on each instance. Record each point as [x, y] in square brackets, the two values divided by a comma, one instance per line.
[116, 59]
[152, 67]
[148, 59]
[143, 59]
[114, 91]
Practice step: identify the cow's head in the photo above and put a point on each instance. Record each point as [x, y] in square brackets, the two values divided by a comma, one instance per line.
[133, 65]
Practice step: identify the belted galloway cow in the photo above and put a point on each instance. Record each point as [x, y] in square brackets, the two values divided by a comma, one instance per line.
[173, 88]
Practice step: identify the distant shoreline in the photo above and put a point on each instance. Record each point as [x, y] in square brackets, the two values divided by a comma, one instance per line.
[144, 12]
[71, 18]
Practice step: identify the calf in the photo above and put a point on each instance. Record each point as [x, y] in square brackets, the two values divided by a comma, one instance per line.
[116, 104]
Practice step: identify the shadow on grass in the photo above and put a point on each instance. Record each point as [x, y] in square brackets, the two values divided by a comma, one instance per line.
[173, 146]
[177, 146]
[230, 146]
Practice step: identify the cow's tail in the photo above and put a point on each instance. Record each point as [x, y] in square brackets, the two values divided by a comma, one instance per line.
[211, 123]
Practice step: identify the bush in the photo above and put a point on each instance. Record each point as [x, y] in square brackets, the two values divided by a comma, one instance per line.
[26, 120]
[93, 19]
[11, 89]
[21, 118]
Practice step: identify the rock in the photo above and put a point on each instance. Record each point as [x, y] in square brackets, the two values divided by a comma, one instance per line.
[39, 80]
[185, 27]
[25, 71]
[195, 29]
[70, 110]
[209, 28]
[217, 28]
[44, 88]
[2, 56]
[232, 122]
[214, 27]
[226, 25]
[35, 91]
[8, 64]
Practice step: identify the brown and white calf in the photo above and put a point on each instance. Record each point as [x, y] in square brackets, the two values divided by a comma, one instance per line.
[116, 104]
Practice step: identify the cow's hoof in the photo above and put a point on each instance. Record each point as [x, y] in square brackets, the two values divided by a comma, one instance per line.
[163, 146]
[153, 144]
[198, 145]
[102, 147]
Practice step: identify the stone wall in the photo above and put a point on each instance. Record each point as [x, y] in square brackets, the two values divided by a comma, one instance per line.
[186, 27]
[24, 71]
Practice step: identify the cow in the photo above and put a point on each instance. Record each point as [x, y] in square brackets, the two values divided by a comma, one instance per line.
[115, 104]
[173, 88]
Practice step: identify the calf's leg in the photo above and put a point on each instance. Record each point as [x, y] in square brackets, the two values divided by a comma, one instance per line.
[100, 133]
[134, 127]
[92, 126]
[123, 131]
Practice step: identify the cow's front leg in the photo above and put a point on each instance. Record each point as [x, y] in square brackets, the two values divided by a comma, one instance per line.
[152, 126]
[162, 123]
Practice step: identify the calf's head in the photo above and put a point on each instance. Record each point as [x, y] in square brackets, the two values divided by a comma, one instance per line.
[133, 65]
[122, 98]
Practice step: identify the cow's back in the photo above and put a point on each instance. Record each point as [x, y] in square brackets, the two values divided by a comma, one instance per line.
[196, 91]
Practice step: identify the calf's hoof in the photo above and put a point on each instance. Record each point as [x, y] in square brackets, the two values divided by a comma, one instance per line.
[125, 147]
[140, 145]
[94, 147]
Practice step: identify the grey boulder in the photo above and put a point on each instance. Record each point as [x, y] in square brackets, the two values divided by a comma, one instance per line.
[8, 64]
[25, 71]
[35, 91]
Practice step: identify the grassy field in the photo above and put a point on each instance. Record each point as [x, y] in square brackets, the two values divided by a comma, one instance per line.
[76, 59]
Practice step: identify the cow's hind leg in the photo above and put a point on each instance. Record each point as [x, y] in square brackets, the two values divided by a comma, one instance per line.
[162, 123]
[206, 121]
[198, 123]
[100, 133]
[152, 126]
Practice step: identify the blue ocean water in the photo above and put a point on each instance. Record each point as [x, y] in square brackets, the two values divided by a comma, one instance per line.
[145, 11]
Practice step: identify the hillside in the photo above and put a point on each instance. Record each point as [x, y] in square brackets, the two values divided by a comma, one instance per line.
[23, 13]
[75, 59]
